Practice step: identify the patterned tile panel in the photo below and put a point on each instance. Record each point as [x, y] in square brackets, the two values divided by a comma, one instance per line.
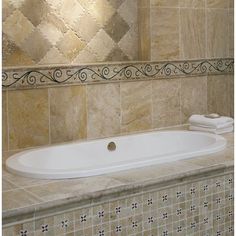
[92, 23]
[203, 207]
[50, 76]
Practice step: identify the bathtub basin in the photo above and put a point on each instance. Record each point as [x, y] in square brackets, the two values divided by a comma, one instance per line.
[83, 159]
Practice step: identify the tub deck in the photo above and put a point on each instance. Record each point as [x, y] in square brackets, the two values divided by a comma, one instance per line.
[25, 198]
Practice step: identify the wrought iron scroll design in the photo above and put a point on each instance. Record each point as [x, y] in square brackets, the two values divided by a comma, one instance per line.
[102, 73]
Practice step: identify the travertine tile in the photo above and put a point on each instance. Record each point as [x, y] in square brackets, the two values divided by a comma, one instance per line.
[217, 3]
[7, 9]
[103, 109]
[4, 122]
[193, 33]
[117, 55]
[128, 11]
[219, 94]
[166, 103]
[192, 3]
[17, 199]
[106, 44]
[36, 46]
[102, 11]
[70, 11]
[82, 28]
[217, 33]
[6, 185]
[231, 3]
[53, 56]
[68, 113]
[70, 45]
[144, 32]
[164, 3]
[164, 33]
[136, 106]
[35, 10]
[231, 33]
[17, 27]
[116, 27]
[193, 97]
[28, 118]
[13, 55]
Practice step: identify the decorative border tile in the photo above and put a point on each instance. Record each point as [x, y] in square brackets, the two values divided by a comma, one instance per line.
[35, 77]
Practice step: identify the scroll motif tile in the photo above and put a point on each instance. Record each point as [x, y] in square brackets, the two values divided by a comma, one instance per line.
[45, 76]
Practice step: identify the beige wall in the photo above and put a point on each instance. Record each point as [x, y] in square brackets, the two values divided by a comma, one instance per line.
[42, 32]
[183, 29]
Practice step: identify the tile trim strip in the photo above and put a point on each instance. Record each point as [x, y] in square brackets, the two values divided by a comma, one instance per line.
[36, 77]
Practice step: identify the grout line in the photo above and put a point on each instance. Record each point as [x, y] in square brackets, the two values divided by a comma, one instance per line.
[8, 126]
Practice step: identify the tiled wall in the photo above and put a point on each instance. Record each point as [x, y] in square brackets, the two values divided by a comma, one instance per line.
[45, 116]
[69, 32]
[178, 29]
[46, 32]
[201, 206]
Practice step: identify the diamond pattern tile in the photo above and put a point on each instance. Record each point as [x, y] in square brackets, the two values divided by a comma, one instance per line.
[86, 27]
[36, 46]
[116, 27]
[70, 45]
[74, 31]
[102, 11]
[101, 44]
[17, 3]
[50, 32]
[130, 16]
[21, 25]
[70, 11]
[7, 9]
[53, 56]
[35, 10]
[116, 3]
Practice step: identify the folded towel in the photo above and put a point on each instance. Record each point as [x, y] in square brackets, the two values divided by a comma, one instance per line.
[212, 130]
[214, 123]
[226, 125]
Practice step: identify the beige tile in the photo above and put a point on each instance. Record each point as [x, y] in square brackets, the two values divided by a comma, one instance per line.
[192, 3]
[144, 3]
[70, 11]
[116, 27]
[144, 33]
[231, 33]
[6, 185]
[217, 3]
[70, 45]
[4, 122]
[102, 11]
[68, 113]
[117, 55]
[17, 199]
[164, 3]
[217, 33]
[193, 97]
[103, 109]
[166, 103]
[219, 89]
[231, 3]
[7, 9]
[53, 56]
[12, 27]
[28, 118]
[164, 33]
[101, 45]
[85, 32]
[193, 33]
[136, 106]
[35, 11]
[36, 46]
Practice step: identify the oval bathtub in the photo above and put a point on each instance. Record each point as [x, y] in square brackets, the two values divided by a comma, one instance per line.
[132, 151]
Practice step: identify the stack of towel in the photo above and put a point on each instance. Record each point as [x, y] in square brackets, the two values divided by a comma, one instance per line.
[219, 125]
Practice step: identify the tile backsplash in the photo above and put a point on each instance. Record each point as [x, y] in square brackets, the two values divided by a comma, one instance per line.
[46, 32]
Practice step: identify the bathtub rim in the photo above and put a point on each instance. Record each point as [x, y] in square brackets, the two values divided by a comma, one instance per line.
[219, 145]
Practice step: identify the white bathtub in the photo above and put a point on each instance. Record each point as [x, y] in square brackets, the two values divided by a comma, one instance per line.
[93, 157]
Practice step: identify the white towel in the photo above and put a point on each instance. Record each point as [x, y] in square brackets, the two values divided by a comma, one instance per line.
[223, 126]
[220, 122]
[212, 130]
